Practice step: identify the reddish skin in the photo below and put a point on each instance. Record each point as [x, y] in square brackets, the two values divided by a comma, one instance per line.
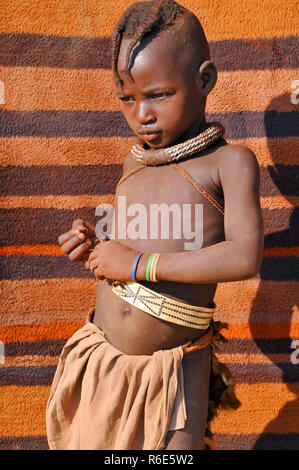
[232, 247]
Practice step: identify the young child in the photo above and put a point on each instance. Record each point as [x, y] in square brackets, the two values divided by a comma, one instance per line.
[142, 372]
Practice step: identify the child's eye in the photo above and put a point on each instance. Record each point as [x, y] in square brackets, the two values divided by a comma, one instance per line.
[126, 99]
[160, 95]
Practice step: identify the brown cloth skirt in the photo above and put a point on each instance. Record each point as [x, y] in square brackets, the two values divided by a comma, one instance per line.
[103, 399]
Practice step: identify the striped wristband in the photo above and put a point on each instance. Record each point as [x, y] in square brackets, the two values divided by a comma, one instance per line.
[150, 274]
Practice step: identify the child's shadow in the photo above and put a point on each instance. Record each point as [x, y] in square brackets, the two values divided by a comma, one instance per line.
[273, 305]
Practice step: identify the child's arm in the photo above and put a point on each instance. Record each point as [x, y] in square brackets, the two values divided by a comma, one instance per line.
[238, 257]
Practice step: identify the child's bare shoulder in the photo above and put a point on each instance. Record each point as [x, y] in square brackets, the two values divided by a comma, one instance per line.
[237, 154]
[238, 172]
[225, 164]
[237, 159]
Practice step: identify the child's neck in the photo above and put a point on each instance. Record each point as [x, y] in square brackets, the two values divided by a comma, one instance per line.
[198, 127]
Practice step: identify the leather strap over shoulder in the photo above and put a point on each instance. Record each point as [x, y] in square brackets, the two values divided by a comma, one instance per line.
[199, 188]
[186, 175]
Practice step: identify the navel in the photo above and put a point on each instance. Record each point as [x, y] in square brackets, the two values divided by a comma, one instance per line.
[126, 310]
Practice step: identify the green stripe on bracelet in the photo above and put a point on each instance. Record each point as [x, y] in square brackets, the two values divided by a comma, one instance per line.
[148, 268]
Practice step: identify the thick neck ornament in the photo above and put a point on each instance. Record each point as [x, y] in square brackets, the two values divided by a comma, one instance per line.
[177, 152]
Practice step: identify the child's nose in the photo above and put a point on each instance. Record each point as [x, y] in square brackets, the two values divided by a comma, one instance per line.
[145, 114]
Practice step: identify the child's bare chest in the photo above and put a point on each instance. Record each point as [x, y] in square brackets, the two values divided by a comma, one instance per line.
[184, 183]
[170, 205]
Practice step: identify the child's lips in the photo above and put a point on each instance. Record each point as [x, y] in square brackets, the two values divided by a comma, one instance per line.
[150, 135]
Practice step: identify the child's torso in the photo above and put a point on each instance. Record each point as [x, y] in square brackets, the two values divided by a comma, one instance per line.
[159, 210]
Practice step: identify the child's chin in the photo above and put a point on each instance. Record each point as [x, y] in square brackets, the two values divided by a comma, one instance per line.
[153, 144]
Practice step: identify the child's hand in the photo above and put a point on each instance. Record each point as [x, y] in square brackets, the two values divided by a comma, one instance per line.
[77, 242]
[111, 260]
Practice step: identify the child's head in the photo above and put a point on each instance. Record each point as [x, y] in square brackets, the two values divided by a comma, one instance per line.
[161, 63]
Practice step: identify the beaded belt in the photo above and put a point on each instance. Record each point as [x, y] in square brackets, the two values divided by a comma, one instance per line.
[163, 307]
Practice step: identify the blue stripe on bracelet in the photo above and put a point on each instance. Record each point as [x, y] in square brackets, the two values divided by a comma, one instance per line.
[134, 267]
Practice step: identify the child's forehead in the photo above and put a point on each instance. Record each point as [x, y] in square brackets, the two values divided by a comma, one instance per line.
[146, 52]
[161, 54]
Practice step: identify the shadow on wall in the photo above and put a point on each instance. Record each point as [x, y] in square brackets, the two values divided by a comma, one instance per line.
[274, 306]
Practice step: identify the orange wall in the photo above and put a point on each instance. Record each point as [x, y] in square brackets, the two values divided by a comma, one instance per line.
[62, 142]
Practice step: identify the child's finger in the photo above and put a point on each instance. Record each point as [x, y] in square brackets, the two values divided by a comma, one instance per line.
[92, 255]
[71, 243]
[68, 235]
[95, 268]
[65, 236]
[93, 265]
[81, 250]
[79, 234]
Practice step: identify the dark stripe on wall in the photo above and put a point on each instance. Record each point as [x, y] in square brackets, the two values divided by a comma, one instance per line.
[45, 347]
[258, 346]
[35, 226]
[43, 226]
[74, 180]
[53, 347]
[243, 373]
[63, 124]
[21, 267]
[255, 54]
[282, 177]
[258, 373]
[281, 227]
[38, 50]
[238, 125]
[27, 375]
[265, 441]
[24, 443]
[102, 179]
[280, 269]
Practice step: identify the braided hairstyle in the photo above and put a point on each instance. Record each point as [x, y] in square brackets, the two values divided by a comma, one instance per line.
[140, 19]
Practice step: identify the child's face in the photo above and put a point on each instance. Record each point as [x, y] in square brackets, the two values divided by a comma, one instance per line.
[165, 99]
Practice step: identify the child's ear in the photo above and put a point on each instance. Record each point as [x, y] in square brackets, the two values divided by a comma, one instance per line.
[207, 77]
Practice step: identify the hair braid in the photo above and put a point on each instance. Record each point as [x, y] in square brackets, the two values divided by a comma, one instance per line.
[140, 19]
[116, 38]
[144, 28]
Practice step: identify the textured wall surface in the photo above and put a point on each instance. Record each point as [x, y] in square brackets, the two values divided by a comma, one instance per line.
[62, 142]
